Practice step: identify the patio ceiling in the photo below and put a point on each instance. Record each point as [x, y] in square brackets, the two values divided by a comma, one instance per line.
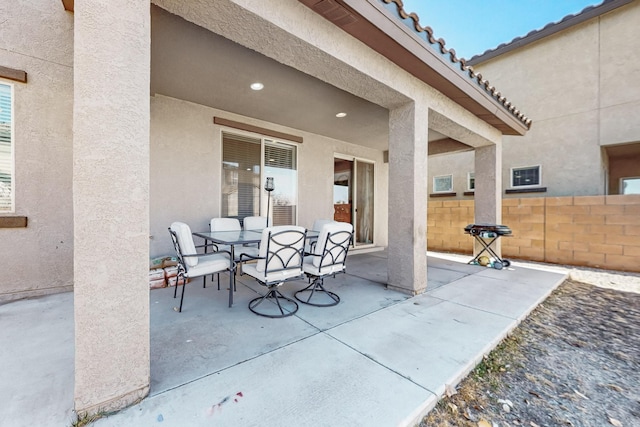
[193, 64]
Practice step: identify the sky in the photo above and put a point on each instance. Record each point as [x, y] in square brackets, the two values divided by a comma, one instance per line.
[473, 26]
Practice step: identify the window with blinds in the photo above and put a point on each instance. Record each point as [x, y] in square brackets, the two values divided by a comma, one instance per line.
[281, 164]
[6, 148]
[240, 176]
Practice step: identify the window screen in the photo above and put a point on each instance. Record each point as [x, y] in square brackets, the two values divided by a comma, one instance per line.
[443, 183]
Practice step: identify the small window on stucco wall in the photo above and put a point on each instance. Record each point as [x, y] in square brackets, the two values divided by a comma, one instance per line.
[528, 176]
[443, 184]
[471, 181]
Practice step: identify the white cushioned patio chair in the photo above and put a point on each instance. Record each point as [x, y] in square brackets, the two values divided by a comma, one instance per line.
[328, 259]
[280, 259]
[254, 222]
[190, 263]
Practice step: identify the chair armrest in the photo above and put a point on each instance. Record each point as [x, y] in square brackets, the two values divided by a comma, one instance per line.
[249, 257]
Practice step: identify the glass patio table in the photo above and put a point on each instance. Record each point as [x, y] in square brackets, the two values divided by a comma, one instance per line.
[233, 238]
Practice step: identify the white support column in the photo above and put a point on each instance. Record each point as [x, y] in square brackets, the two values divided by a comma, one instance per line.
[488, 188]
[408, 192]
[111, 202]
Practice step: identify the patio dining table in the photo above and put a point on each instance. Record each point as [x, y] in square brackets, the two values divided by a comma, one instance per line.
[234, 238]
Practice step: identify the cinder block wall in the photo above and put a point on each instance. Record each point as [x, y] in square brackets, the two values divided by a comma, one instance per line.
[593, 231]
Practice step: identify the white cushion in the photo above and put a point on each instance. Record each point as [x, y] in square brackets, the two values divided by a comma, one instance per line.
[309, 267]
[336, 250]
[273, 243]
[225, 224]
[319, 223]
[209, 264]
[254, 222]
[185, 240]
[277, 276]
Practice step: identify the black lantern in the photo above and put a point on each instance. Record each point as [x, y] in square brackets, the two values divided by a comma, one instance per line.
[269, 187]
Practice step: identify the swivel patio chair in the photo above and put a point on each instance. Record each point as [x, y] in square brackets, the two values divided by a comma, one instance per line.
[190, 263]
[280, 260]
[328, 259]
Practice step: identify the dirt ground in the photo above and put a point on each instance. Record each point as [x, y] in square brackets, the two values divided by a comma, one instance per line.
[575, 361]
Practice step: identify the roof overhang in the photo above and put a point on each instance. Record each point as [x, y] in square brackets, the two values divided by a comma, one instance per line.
[371, 22]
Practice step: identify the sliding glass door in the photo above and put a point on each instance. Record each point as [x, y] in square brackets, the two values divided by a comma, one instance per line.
[353, 196]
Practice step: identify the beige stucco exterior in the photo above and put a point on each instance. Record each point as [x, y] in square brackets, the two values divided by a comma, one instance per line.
[41, 255]
[99, 199]
[581, 90]
[194, 197]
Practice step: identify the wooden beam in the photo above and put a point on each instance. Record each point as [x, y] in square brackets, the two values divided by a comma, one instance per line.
[68, 5]
[256, 129]
[13, 221]
[13, 74]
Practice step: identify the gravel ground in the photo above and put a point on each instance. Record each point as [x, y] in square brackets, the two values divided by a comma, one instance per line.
[575, 361]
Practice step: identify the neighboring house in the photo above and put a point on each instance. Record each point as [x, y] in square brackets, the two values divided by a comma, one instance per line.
[578, 79]
[122, 117]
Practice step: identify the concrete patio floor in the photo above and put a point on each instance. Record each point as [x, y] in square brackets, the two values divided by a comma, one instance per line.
[379, 358]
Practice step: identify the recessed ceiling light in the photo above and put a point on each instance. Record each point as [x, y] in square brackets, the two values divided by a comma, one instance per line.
[341, 115]
[257, 86]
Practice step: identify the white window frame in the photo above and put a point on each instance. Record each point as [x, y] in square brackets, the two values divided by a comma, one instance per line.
[12, 167]
[621, 184]
[450, 190]
[539, 184]
[264, 139]
[469, 176]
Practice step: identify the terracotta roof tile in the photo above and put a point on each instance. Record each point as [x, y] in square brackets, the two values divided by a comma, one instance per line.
[426, 33]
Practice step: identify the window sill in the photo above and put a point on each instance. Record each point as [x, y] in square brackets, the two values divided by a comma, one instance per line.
[13, 221]
[526, 190]
[442, 195]
[469, 193]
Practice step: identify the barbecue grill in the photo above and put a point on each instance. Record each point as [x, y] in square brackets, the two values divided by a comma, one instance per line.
[486, 235]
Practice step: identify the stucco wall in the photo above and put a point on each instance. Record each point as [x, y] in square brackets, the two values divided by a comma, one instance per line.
[37, 37]
[580, 88]
[186, 161]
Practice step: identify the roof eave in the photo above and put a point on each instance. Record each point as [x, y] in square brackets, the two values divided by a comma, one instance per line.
[548, 30]
[376, 26]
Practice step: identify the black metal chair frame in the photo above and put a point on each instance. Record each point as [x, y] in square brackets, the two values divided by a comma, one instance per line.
[341, 239]
[183, 269]
[295, 259]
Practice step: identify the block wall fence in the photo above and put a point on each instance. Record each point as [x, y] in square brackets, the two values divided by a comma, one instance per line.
[593, 231]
